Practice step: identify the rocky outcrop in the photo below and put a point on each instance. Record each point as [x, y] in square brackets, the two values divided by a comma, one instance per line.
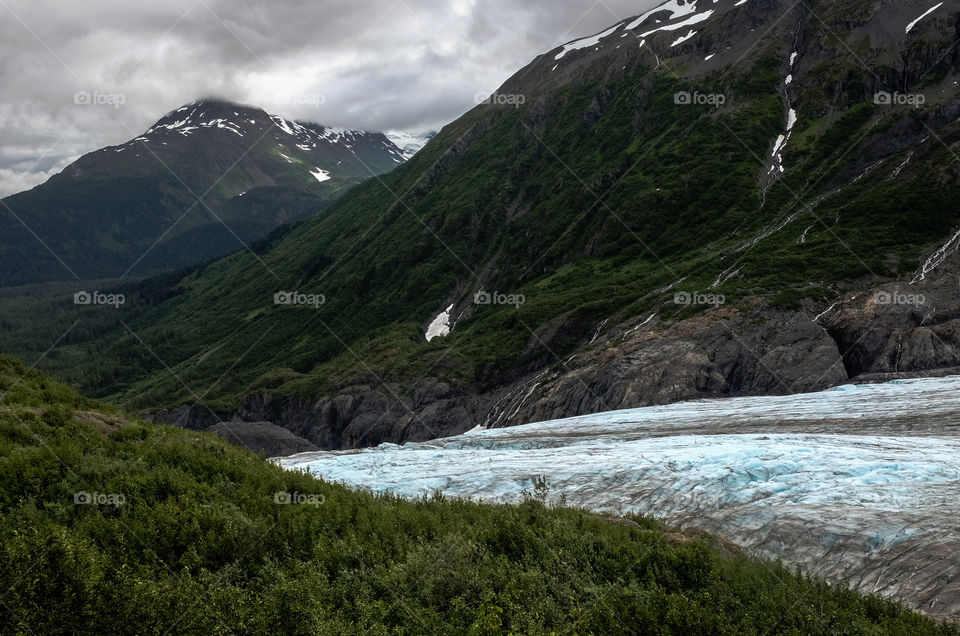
[710, 356]
[899, 327]
[886, 331]
[262, 437]
[369, 414]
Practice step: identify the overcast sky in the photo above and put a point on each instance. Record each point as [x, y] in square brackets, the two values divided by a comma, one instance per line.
[410, 65]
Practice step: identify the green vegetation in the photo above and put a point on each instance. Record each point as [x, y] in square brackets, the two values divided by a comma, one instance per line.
[587, 200]
[184, 535]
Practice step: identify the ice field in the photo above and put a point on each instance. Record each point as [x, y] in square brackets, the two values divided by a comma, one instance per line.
[859, 484]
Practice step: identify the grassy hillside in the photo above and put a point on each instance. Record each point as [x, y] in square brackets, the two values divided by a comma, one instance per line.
[182, 533]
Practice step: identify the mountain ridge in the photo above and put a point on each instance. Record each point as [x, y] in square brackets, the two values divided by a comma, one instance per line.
[169, 198]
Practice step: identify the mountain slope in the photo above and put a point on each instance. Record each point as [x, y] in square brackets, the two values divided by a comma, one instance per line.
[661, 217]
[205, 179]
[111, 525]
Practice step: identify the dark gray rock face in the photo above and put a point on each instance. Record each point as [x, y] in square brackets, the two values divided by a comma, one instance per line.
[369, 414]
[782, 353]
[712, 356]
[892, 330]
[257, 436]
[899, 327]
[262, 437]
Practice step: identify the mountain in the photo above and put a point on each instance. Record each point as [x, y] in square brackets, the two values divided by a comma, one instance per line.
[709, 199]
[128, 527]
[203, 181]
[410, 143]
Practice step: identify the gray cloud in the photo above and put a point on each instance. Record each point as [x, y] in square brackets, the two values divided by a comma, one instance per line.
[374, 64]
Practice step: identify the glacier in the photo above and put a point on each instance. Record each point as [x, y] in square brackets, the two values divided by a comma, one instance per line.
[859, 484]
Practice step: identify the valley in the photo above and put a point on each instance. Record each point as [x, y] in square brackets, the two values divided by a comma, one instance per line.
[660, 336]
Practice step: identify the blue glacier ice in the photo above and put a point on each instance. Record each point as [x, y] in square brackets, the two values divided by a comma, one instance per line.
[860, 484]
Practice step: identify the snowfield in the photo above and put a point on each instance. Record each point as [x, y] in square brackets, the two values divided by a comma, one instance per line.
[860, 484]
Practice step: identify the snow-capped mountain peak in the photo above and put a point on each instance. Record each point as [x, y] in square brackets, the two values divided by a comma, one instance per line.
[254, 169]
[256, 124]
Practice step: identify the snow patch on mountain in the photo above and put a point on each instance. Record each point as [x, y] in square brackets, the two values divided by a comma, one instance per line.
[684, 38]
[780, 145]
[925, 14]
[695, 19]
[781, 142]
[223, 124]
[285, 126]
[440, 326]
[586, 42]
[676, 9]
[320, 175]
